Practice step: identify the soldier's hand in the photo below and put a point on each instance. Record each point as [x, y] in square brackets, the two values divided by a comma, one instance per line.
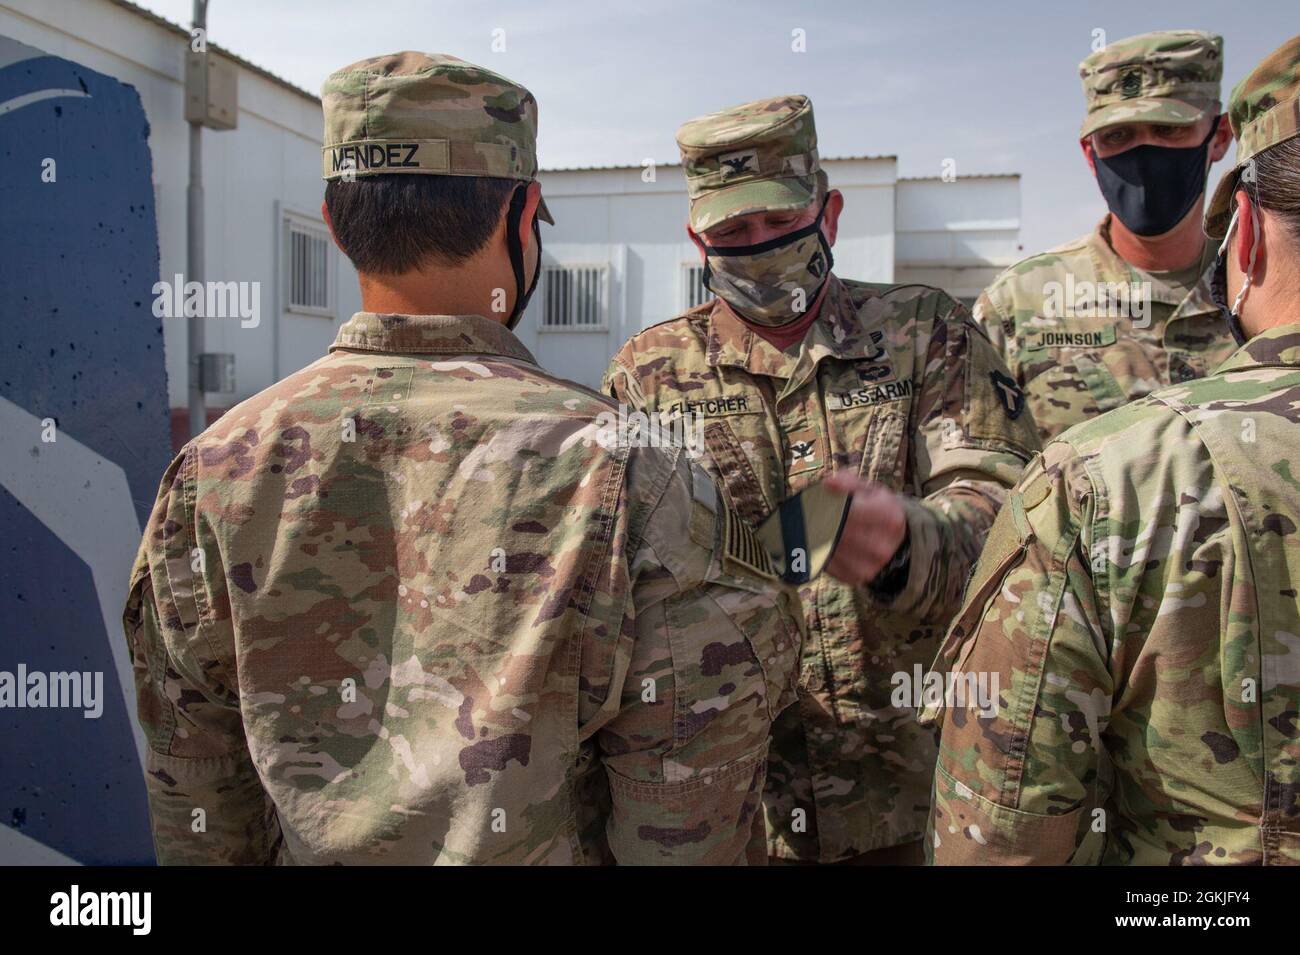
[873, 530]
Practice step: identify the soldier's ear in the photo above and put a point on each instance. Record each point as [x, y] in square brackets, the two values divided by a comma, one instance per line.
[699, 243]
[1086, 146]
[831, 216]
[532, 198]
[325, 214]
[1222, 138]
[1249, 234]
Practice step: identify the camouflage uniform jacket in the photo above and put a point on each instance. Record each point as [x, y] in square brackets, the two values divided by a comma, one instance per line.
[400, 607]
[896, 384]
[1078, 345]
[1137, 607]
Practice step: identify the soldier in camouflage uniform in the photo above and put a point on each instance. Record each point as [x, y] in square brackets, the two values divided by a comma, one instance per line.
[403, 607]
[1136, 605]
[796, 374]
[1124, 310]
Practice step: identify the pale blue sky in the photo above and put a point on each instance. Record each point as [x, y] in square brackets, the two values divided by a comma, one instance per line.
[993, 85]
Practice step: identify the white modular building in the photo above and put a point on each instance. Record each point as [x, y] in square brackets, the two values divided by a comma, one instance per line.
[617, 260]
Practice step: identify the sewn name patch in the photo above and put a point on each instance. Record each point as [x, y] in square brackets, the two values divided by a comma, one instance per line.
[716, 407]
[1051, 338]
[871, 395]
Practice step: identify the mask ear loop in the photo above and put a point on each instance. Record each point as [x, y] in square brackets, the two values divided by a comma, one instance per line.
[1227, 236]
[514, 246]
[518, 199]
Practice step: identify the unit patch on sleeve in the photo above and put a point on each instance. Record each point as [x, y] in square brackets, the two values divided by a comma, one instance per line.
[1009, 394]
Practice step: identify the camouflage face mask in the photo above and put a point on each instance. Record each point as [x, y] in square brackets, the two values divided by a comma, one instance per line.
[774, 282]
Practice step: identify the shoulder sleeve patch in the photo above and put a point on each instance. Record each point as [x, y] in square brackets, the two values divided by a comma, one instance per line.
[742, 552]
[995, 408]
[1008, 393]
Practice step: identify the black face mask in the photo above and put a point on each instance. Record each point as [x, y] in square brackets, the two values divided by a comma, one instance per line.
[522, 295]
[1219, 281]
[1151, 188]
[1219, 295]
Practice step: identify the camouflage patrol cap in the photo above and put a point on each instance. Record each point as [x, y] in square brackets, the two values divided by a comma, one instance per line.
[428, 113]
[1170, 77]
[756, 157]
[1264, 110]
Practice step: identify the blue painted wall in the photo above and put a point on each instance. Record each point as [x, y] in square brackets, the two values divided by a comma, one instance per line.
[79, 344]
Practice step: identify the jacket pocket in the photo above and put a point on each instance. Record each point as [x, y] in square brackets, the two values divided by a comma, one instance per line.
[970, 829]
[770, 627]
[1101, 382]
[882, 450]
[870, 440]
[1004, 548]
[1078, 377]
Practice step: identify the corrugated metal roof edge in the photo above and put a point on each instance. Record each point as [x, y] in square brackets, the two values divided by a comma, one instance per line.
[964, 175]
[234, 57]
[674, 165]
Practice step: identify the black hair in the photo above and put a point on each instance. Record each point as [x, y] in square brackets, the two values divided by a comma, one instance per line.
[393, 223]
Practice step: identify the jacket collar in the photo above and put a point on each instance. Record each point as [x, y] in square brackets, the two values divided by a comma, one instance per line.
[1110, 267]
[430, 335]
[1277, 346]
